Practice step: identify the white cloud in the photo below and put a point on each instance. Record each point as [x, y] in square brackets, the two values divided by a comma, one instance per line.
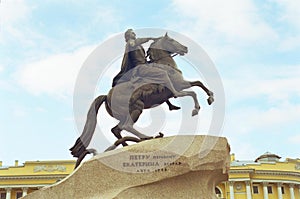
[13, 11]
[105, 15]
[5, 84]
[294, 139]
[249, 128]
[288, 18]
[242, 150]
[236, 20]
[290, 11]
[225, 29]
[23, 26]
[277, 85]
[54, 75]
[263, 100]
[289, 43]
[271, 120]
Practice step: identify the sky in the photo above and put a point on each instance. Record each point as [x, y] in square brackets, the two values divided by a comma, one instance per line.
[253, 44]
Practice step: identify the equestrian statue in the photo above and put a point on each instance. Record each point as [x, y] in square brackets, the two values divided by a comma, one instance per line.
[144, 81]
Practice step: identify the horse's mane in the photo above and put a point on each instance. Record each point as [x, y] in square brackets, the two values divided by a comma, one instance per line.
[152, 51]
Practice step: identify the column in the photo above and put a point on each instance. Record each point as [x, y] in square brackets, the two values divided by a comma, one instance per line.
[248, 189]
[279, 190]
[8, 192]
[265, 184]
[24, 191]
[292, 191]
[231, 191]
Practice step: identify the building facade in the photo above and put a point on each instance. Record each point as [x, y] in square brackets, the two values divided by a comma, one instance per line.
[264, 178]
[19, 180]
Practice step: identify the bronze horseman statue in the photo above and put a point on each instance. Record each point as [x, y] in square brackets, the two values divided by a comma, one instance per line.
[140, 84]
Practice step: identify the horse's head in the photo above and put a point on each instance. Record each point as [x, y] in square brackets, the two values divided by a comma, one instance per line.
[169, 45]
[172, 45]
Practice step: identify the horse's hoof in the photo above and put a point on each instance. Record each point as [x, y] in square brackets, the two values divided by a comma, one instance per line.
[160, 135]
[210, 100]
[195, 112]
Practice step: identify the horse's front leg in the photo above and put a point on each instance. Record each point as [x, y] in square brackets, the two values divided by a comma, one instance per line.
[197, 105]
[210, 94]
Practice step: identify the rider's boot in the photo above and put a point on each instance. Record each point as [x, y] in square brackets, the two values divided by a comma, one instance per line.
[171, 106]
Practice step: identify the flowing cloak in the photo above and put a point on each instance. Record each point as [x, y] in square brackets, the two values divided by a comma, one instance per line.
[127, 64]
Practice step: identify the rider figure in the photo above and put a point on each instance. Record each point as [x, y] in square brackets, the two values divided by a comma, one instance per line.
[135, 55]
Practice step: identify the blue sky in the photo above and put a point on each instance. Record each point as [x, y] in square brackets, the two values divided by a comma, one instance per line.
[254, 45]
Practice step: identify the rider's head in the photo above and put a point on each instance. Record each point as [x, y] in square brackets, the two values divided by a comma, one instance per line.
[129, 34]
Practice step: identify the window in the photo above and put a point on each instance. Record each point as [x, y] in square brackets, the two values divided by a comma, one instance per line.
[19, 194]
[282, 190]
[218, 192]
[255, 189]
[270, 190]
[2, 195]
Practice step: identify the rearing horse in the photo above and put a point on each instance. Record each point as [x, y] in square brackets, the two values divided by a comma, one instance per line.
[126, 100]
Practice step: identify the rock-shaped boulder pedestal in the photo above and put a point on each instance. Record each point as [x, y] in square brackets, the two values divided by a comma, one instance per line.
[171, 167]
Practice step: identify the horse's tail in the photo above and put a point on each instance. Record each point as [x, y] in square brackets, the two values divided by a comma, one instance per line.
[79, 149]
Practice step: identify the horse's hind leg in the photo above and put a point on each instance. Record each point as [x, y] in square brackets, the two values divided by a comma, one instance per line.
[128, 126]
[130, 129]
[136, 109]
[117, 132]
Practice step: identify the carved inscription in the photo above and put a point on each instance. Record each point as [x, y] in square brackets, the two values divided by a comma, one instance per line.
[142, 163]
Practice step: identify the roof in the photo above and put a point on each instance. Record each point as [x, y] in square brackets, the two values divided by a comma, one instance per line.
[267, 156]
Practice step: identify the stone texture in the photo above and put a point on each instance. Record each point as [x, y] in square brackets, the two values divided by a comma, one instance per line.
[171, 167]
